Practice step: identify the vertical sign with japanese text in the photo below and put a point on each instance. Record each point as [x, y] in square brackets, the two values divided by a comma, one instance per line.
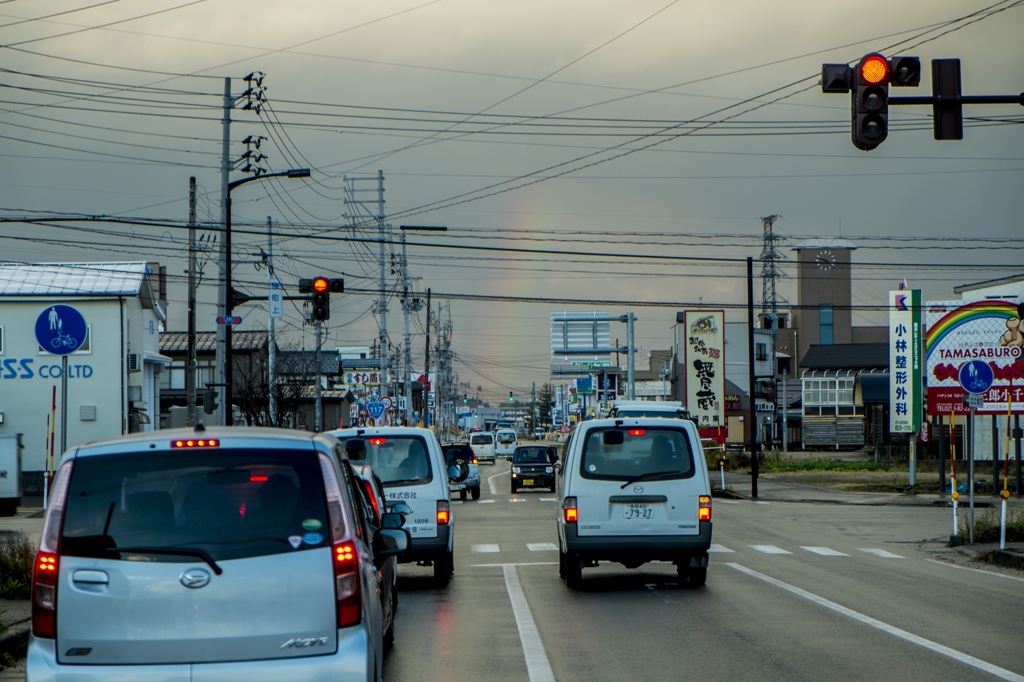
[905, 347]
[705, 366]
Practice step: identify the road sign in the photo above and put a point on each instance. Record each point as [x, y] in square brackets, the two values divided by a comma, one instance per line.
[976, 376]
[376, 410]
[975, 401]
[387, 402]
[234, 319]
[60, 329]
[275, 300]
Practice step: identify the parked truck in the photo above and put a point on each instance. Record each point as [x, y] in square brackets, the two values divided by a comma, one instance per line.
[10, 473]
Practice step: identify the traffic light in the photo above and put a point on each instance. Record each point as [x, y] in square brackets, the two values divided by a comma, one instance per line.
[321, 298]
[465, 397]
[871, 102]
[511, 397]
[947, 110]
[210, 401]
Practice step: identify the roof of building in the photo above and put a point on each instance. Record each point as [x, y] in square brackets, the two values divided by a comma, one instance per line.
[1014, 279]
[846, 356]
[206, 342]
[874, 388]
[79, 279]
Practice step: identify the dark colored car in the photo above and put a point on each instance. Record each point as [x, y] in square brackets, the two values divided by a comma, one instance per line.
[533, 466]
[468, 480]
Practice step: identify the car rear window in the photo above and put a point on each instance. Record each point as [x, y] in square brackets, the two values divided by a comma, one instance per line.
[229, 503]
[661, 453]
[507, 438]
[481, 439]
[399, 460]
[455, 452]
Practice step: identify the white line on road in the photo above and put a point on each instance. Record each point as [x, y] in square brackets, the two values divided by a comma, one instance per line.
[541, 546]
[485, 549]
[538, 669]
[976, 570]
[769, 549]
[485, 501]
[720, 548]
[880, 552]
[966, 659]
[824, 551]
[490, 482]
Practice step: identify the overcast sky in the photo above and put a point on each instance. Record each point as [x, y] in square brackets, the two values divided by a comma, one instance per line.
[563, 144]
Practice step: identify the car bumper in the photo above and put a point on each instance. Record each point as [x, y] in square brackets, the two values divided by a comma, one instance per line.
[423, 549]
[539, 481]
[642, 548]
[353, 660]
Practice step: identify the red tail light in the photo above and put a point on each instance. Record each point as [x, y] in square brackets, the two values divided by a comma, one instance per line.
[704, 510]
[572, 514]
[46, 573]
[443, 513]
[373, 498]
[345, 557]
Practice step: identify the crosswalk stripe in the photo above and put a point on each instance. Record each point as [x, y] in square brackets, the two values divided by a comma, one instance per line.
[769, 549]
[548, 499]
[541, 546]
[719, 548]
[880, 552]
[485, 501]
[824, 551]
[486, 549]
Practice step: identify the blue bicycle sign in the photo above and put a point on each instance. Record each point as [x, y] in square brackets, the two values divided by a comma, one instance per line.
[60, 329]
[976, 376]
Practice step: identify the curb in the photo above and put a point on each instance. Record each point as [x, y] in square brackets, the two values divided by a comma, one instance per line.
[14, 642]
[1006, 559]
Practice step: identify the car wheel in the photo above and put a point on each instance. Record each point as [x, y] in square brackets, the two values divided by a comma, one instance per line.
[573, 570]
[475, 490]
[444, 566]
[389, 636]
[697, 577]
[462, 494]
[515, 488]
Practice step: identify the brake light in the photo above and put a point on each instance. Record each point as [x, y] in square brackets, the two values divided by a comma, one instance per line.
[195, 443]
[704, 508]
[378, 441]
[46, 571]
[345, 554]
[373, 498]
[569, 510]
[258, 479]
[443, 513]
[637, 432]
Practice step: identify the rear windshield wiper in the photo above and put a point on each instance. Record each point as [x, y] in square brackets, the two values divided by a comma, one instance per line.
[174, 551]
[644, 477]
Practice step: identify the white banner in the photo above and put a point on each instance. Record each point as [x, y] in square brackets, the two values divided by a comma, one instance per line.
[705, 366]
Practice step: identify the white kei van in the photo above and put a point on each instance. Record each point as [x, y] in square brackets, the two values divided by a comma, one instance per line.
[411, 467]
[633, 491]
[505, 442]
[482, 443]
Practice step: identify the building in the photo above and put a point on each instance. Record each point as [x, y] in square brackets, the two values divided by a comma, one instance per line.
[92, 327]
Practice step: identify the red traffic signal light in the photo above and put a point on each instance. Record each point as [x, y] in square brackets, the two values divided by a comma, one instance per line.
[874, 69]
[321, 284]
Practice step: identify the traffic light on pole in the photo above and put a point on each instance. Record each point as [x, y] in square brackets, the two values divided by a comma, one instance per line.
[870, 102]
[321, 298]
[511, 396]
[465, 398]
[210, 401]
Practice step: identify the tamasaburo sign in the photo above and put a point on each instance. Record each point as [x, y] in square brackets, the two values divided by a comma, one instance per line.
[958, 332]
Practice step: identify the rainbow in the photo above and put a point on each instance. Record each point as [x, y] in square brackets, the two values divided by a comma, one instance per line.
[963, 315]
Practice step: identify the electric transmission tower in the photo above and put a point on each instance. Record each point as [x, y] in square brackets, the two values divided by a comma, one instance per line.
[770, 273]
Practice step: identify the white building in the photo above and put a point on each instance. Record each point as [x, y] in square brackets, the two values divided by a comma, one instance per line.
[94, 327]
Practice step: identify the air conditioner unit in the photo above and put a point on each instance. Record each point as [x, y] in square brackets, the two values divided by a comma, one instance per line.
[134, 362]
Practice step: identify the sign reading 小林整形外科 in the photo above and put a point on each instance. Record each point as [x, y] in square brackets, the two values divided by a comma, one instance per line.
[905, 386]
[962, 340]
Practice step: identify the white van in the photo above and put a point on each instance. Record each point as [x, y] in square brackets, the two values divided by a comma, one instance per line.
[505, 442]
[669, 409]
[634, 491]
[482, 443]
[411, 467]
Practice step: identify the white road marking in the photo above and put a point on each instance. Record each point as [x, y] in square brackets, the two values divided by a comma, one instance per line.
[880, 552]
[538, 668]
[966, 659]
[485, 501]
[456, 501]
[976, 570]
[726, 502]
[490, 481]
[486, 548]
[548, 499]
[521, 563]
[542, 546]
[719, 548]
[517, 499]
[769, 549]
[824, 551]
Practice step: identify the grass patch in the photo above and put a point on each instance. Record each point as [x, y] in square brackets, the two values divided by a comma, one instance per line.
[986, 524]
[771, 465]
[17, 556]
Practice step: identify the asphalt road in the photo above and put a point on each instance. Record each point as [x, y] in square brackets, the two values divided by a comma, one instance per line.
[795, 592]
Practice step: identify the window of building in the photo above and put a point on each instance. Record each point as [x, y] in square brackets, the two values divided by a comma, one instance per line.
[825, 324]
[761, 351]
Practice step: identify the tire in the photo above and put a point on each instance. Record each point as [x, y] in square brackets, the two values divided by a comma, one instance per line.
[462, 494]
[444, 566]
[696, 577]
[475, 491]
[515, 488]
[389, 636]
[573, 570]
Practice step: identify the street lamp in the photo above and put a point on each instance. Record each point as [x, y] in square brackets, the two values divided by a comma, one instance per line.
[227, 296]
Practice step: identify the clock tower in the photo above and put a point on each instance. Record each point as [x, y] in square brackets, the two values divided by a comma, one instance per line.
[823, 312]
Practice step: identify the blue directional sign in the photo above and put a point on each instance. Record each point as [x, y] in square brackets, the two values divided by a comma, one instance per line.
[60, 329]
[976, 376]
[375, 409]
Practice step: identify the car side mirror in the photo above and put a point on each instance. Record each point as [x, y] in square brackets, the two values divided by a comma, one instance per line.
[390, 541]
[392, 519]
[402, 508]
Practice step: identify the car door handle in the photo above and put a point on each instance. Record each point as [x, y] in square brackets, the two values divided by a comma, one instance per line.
[90, 577]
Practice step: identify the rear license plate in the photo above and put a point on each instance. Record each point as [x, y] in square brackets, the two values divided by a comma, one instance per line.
[456, 486]
[527, 481]
[638, 511]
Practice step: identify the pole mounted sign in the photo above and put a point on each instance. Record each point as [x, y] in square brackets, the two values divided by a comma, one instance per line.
[60, 329]
[905, 370]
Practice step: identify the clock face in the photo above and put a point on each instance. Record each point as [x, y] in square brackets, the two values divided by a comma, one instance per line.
[825, 260]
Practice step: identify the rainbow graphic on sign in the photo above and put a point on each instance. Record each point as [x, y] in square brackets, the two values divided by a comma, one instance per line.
[965, 315]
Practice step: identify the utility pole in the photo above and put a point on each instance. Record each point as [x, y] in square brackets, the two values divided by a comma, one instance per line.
[190, 363]
[429, 388]
[274, 313]
[318, 409]
[224, 260]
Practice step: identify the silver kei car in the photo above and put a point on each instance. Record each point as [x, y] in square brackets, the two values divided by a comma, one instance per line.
[232, 554]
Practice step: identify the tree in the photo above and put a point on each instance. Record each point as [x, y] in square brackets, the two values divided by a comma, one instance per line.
[545, 399]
